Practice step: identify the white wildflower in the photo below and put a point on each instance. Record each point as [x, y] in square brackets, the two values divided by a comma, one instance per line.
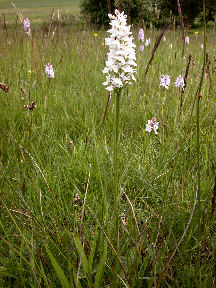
[121, 57]
[148, 42]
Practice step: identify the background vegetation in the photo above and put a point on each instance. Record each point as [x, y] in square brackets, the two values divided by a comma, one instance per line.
[149, 12]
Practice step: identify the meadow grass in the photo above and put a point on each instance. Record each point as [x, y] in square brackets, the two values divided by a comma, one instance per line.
[38, 11]
[56, 165]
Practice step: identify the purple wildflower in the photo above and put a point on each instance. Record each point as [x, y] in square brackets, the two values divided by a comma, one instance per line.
[165, 81]
[141, 48]
[49, 70]
[152, 126]
[179, 82]
[141, 35]
[27, 25]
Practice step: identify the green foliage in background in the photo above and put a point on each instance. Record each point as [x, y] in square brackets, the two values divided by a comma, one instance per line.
[151, 12]
[190, 9]
[96, 11]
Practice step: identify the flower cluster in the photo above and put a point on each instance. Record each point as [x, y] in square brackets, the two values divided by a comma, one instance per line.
[27, 25]
[165, 81]
[141, 35]
[142, 48]
[187, 40]
[49, 70]
[152, 126]
[180, 82]
[122, 55]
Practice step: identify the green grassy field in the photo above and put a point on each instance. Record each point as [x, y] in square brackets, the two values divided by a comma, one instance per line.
[56, 163]
[38, 11]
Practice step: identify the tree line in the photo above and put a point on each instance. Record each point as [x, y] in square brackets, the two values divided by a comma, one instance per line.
[149, 12]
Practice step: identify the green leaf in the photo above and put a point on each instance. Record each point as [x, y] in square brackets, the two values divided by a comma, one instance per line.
[101, 267]
[59, 271]
[93, 247]
[84, 259]
[43, 275]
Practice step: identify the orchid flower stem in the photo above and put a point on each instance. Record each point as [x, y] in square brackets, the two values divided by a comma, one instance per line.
[177, 116]
[29, 94]
[116, 165]
[163, 116]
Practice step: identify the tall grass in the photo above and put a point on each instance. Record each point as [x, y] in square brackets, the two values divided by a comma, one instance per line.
[57, 203]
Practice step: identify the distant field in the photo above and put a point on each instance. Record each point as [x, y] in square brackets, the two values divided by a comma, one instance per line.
[38, 11]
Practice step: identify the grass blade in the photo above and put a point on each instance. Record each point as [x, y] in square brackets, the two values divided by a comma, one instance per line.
[59, 271]
[101, 268]
[84, 259]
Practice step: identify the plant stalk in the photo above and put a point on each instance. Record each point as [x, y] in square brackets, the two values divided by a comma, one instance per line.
[116, 165]
[115, 159]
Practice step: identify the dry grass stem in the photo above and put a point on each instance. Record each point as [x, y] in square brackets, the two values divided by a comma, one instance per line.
[18, 212]
[157, 43]
[41, 203]
[185, 82]
[213, 199]
[123, 282]
[84, 200]
[182, 25]
[106, 109]
[19, 14]
[79, 267]
[131, 206]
